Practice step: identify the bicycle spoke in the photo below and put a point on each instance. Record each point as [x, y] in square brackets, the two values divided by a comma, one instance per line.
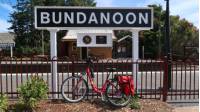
[74, 89]
[115, 96]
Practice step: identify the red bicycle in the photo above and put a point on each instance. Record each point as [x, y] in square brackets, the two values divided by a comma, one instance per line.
[75, 88]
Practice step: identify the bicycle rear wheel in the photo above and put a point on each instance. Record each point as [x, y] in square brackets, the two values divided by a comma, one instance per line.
[114, 95]
[74, 89]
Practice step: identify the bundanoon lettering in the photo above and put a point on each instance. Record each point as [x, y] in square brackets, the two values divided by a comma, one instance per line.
[93, 18]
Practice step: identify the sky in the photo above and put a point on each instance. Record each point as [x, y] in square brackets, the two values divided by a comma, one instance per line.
[188, 9]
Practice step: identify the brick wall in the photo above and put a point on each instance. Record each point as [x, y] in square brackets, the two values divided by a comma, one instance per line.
[101, 52]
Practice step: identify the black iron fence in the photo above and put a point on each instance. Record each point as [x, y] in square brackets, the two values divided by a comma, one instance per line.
[150, 79]
[184, 81]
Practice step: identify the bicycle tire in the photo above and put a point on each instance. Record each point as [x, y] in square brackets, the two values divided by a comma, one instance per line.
[63, 88]
[109, 98]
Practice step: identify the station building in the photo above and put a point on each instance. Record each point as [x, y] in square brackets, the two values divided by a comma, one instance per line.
[69, 45]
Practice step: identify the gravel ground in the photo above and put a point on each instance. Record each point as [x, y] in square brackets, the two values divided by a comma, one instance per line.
[185, 107]
[99, 106]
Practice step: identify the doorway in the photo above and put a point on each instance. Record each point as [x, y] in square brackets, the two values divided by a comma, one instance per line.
[84, 53]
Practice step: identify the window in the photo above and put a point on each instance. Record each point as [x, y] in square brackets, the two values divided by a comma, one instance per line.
[121, 49]
[101, 39]
[74, 48]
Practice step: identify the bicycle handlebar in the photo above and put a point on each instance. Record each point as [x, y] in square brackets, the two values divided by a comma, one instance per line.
[89, 61]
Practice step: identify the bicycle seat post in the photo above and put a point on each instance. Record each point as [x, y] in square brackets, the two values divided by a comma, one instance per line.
[110, 70]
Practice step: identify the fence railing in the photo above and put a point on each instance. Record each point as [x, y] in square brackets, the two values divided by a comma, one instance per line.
[150, 78]
[184, 81]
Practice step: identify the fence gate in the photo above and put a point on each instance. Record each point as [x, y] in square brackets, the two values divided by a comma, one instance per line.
[184, 82]
[149, 79]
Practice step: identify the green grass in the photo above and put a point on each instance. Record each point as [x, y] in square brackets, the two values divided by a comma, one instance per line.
[135, 102]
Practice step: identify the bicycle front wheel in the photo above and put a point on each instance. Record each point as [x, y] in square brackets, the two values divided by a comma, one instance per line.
[115, 96]
[74, 89]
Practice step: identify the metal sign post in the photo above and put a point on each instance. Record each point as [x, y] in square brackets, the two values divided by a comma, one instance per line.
[53, 41]
[135, 50]
[168, 44]
[11, 51]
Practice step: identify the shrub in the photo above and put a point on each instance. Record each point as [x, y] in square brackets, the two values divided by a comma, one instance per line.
[33, 91]
[3, 102]
[135, 102]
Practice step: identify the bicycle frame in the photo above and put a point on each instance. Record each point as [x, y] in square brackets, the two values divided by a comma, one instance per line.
[110, 90]
[94, 87]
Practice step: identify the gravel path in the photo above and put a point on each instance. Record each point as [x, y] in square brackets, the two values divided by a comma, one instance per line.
[186, 109]
[99, 106]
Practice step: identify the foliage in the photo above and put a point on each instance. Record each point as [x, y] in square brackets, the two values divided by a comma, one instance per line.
[29, 40]
[153, 40]
[80, 3]
[183, 33]
[33, 91]
[135, 102]
[3, 102]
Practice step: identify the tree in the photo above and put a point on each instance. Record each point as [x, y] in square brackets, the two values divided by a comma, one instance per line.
[153, 40]
[80, 3]
[182, 33]
[28, 40]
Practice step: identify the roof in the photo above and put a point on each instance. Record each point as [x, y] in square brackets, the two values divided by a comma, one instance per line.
[6, 40]
[71, 35]
[123, 38]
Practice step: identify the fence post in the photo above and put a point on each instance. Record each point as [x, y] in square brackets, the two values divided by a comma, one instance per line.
[73, 81]
[165, 80]
[1, 77]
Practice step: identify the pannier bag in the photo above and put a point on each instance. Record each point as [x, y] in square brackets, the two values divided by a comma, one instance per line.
[126, 84]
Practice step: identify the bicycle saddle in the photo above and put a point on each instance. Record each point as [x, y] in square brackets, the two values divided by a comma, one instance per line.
[111, 69]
